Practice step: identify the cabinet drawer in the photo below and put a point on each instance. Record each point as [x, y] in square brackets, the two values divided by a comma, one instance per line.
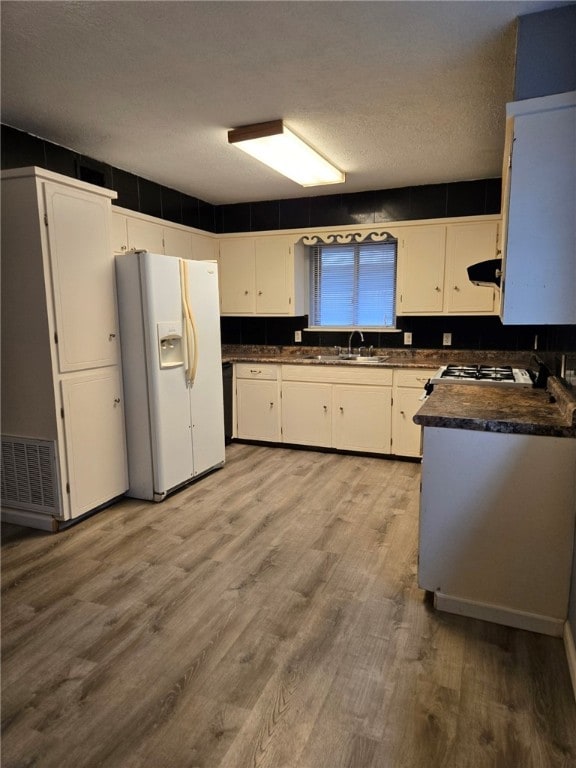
[413, 377]
[255, 371]
[338, 374]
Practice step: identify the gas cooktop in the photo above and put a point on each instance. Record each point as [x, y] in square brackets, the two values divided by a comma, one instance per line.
[482, 374]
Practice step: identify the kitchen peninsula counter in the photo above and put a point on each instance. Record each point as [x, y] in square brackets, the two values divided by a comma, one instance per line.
[511, 410]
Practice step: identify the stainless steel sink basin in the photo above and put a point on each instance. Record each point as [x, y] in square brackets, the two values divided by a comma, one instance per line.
[323, 358]
[355, 359]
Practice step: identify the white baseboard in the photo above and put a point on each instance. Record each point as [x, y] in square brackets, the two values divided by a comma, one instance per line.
[545, 625]
[570, 654]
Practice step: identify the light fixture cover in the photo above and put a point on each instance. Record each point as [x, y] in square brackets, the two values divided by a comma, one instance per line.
[277, 147]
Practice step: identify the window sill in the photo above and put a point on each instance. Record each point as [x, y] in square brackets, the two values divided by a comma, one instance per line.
[349, 328]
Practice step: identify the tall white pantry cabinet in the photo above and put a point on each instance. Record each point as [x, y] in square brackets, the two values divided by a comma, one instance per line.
[63, 440]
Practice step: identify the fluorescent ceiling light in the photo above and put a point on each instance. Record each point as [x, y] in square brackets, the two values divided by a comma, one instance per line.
[276, 146]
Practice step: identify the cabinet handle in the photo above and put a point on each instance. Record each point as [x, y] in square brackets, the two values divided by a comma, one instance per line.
[259, 293]
[437, 289]
[271, 405]
[456, 288]
[111, 336]
[402, 413]
[116, 401]
[245, 293]
[341, 409]
[325, 408]
[255, 370]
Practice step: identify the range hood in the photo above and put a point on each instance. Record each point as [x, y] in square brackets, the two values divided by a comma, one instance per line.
[486, 272]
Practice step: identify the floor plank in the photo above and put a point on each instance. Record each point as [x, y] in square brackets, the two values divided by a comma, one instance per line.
[267, 616]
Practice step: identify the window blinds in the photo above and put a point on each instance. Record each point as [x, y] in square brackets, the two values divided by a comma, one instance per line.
[354, 285]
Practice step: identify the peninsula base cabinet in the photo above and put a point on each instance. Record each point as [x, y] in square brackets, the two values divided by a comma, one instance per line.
[407, 395]
[497, 526]
[257, 402]
[63, 445]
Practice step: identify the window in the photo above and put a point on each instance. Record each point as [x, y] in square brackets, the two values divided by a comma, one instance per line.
[354, 285]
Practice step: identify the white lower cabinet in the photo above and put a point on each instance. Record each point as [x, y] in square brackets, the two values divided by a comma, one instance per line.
[257, 402]
[361, 418]
[407, 399]
[95, 441]
[344, 407]
[337, 407]
[307, 413]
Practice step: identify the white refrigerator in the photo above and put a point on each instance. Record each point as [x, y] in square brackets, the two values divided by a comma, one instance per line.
[172, 370]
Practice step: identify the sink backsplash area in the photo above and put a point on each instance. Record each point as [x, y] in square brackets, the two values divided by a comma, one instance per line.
[468, 333]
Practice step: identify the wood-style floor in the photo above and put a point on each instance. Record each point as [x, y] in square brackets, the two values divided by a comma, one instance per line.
[266, 616]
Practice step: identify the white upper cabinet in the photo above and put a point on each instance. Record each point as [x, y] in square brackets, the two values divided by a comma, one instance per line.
[83, 283]
[204, 247]
[145, 235]
[432, 268]
[237, 276]
[467, 244]
[157, 236]
[539, 205]
[177, 242]
[262, 275]
[421, 261]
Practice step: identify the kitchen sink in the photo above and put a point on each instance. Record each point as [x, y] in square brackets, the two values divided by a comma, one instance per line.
[355, 359]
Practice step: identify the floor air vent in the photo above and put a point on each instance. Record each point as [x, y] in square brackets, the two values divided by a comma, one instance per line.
[30, 475]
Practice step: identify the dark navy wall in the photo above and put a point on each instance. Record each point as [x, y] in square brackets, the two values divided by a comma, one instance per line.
[20, 150]
[546, 53]
[468, 198]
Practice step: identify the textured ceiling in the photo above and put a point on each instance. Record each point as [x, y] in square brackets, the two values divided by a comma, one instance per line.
[394, 93]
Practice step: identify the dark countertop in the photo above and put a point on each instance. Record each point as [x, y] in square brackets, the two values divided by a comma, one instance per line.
[395, 358]
[512, 410]
[550, 411]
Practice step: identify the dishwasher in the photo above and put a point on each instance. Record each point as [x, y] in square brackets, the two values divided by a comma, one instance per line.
[227, 388]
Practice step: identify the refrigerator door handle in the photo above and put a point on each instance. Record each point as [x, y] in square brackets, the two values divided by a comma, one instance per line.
[190, 330]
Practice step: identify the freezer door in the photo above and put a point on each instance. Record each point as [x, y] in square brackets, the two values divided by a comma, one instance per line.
[206, 396]
[169, 406]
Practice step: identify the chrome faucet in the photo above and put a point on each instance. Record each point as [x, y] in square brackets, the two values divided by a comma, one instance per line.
[350, 340]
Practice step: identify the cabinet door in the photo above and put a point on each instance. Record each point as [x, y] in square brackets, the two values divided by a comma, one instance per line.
[119, 233]
[177, 243]
[258, 410]
[406, 436]
[204, 248]
[307, 413]
[83, 280]
[237, 276]
[272, 288]
[421, 270]
[95, 445]
[540, 268]
[145, 235]
[361, 418]
[468, 244]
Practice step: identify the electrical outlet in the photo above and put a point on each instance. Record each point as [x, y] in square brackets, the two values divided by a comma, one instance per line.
[297, 335]
[407, 338]
[447, 339]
